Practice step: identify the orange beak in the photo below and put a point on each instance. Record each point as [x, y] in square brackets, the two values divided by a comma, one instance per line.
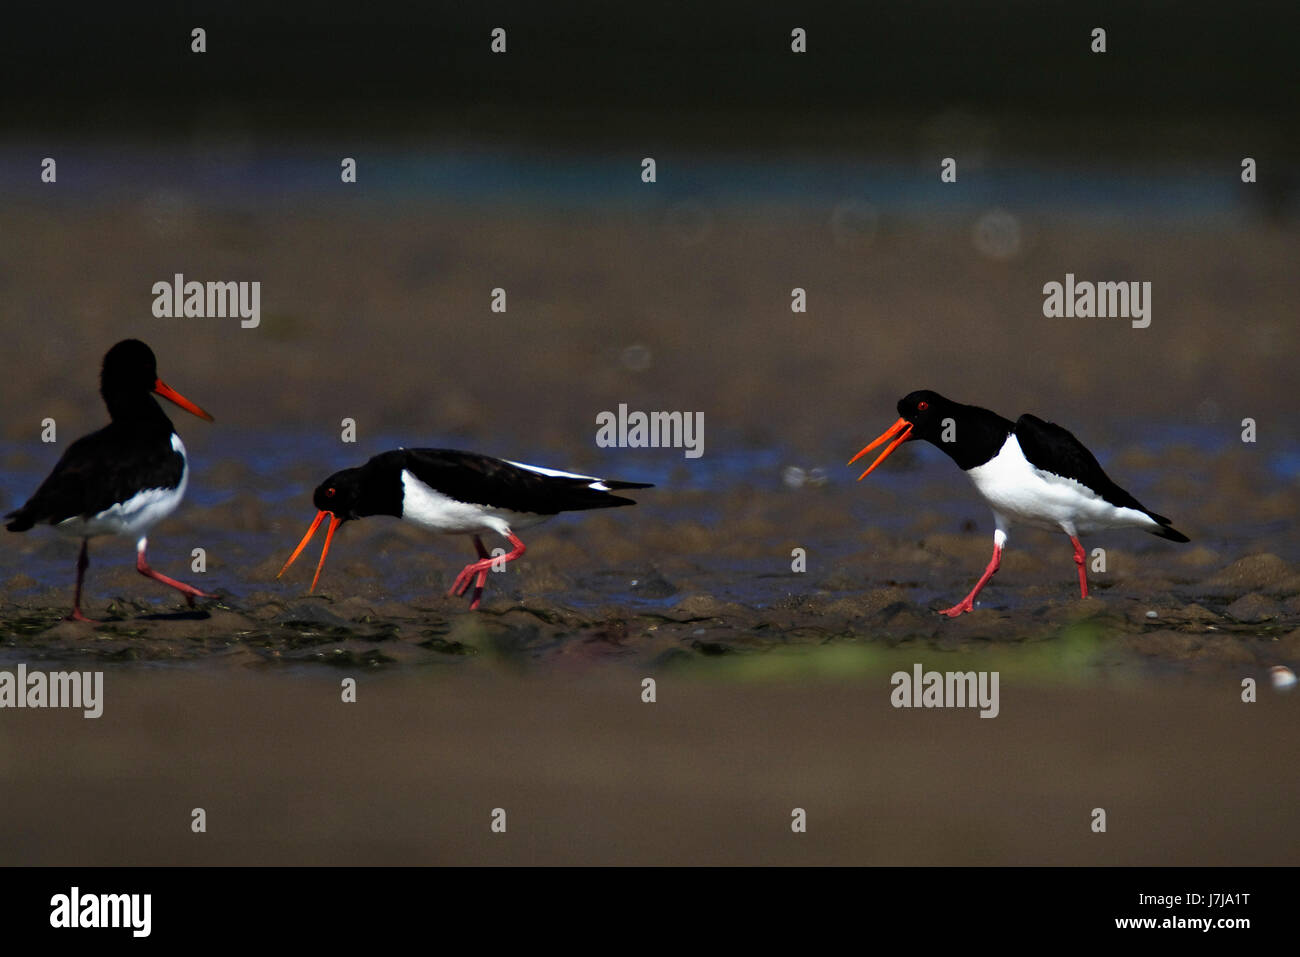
[335, 522]
[899, 432]
[171, 395]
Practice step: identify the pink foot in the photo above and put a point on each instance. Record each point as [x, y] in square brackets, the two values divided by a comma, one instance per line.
[466, 576]
[476, 573]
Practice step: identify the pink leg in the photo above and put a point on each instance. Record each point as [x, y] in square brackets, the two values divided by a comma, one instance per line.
[83, 562]
[189, 591]
[1079, 559]
[968, 603]
[467, 573]
[480, 569]
[482, 576]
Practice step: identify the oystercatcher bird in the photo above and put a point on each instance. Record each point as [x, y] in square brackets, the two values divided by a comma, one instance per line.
[123, 479]
[1029, 471]
[459, 493]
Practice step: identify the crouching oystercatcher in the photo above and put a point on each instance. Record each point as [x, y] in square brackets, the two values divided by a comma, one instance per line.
[123, 479]
[1029, 471]
[456, 493]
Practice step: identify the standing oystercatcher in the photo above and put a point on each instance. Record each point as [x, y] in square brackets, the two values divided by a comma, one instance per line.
[123, 479]
[1029, 471]
[459, 493]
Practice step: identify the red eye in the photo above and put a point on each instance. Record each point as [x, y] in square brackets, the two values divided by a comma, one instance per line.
[329, 493]
[922, 406]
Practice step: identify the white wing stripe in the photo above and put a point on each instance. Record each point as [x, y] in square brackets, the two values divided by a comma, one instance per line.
[556, 473]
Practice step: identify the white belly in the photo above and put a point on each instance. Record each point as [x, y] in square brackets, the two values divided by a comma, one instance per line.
[429, 508]
[1018, 492]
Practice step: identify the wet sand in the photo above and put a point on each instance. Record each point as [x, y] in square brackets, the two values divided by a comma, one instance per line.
[1247, 621]
[685, 573]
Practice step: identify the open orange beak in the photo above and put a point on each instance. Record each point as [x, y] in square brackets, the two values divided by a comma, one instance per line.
[171, 395]
[335, 522]
[899, 432]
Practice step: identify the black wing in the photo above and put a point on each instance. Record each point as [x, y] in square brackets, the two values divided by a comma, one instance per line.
[483, 480]
[99, 470]
[1053, 449]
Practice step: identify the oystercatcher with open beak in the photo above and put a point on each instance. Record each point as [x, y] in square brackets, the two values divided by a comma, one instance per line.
[123, 479]
[459, 493]
[1029, 471]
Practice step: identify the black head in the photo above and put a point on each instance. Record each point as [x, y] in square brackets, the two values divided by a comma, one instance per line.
[129, 375]
[926, 412]
[346, 495]
[129, 367]
[373, 489]
[342, 495]
[969, 435]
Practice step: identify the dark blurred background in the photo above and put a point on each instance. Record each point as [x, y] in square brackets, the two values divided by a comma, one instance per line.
[1176, 77]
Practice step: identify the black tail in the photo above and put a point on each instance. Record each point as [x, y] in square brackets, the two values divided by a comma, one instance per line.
[583, 497]
[21, 522]
[1166, 529]
[577, 494]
